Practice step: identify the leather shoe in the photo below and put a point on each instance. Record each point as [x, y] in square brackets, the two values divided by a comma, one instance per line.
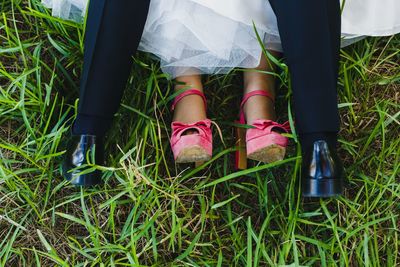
[80, 150]
[322, 171]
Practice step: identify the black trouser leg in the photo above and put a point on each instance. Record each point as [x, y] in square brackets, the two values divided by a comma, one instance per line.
[310, 33]
[114, 29]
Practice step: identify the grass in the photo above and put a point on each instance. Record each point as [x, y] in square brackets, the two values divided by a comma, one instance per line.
[151, 212]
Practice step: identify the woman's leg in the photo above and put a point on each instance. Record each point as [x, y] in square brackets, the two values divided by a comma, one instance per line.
[260, 107]
[190, 108]
[191, 143]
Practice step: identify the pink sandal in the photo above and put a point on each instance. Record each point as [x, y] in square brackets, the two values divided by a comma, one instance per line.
[195, 147]
[261, 142]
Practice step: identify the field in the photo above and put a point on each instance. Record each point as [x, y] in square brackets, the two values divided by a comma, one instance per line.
[151, 212]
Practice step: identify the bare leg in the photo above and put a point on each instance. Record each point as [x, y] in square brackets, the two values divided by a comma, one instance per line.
[260, 107]
[191, 108]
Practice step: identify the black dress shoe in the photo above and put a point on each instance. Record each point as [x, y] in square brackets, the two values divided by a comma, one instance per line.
[322, 171]
[81, 148]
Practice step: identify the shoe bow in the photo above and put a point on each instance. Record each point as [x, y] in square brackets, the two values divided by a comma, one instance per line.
[269, 125]
[203, 127]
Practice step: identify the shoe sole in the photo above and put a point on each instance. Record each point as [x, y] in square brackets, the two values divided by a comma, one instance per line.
[193, 154]
[268, 154]
[323, 188]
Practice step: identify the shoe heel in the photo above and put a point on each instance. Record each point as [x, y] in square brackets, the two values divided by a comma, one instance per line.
[241, 154]
[322, 187]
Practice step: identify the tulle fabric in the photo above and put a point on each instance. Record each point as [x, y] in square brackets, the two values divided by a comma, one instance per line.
[203, 36]
[371, 17]
[67, 9]
[215, 36]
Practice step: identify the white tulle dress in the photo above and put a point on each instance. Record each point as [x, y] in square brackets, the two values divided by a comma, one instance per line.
[215, 36]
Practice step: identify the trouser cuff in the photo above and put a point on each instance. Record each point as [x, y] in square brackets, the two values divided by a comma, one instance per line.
[91, 125]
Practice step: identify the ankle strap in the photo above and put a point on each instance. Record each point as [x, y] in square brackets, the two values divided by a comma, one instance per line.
[186, 93]
[249, 95]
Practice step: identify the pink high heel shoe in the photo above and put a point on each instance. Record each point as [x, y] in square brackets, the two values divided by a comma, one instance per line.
[262, 142]
[196, 147]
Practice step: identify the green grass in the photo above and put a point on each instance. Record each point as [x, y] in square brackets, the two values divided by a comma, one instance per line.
[151, 212]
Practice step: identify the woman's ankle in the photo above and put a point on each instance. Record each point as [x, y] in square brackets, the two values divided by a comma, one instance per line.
[258, 106]
[190, 109]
